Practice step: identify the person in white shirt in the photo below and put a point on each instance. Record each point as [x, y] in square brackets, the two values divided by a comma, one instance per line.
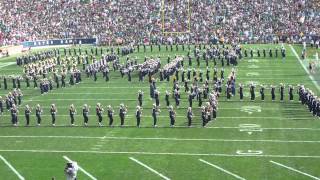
[71, 170]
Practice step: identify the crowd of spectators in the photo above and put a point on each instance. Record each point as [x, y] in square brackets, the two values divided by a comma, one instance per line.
[138, 21]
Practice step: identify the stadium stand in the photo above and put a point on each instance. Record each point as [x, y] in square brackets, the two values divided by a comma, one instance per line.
[138, 20]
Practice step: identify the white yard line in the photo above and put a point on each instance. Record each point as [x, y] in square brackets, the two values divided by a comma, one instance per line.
[2, 65]
[305, 68]
[222, 169]
[81, 169]
[295, 170]
[149, 168]
[166, 139]
[12, 168]
[162, 153]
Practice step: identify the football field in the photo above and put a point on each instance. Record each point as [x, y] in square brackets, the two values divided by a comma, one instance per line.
[248, 140]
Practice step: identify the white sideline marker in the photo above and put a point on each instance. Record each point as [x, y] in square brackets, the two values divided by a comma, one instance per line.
[149, 168]
[81, 169]
[311, 77]
[12, 168]
[221, 169]
[295, 170]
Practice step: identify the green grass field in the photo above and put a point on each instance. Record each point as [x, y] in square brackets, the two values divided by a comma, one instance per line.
[248, 140]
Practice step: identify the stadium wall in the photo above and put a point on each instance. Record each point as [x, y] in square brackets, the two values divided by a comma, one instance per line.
[58, 42]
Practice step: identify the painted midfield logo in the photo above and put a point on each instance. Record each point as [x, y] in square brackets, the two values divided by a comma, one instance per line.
[250, 109]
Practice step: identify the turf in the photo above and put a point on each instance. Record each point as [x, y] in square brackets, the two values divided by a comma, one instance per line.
[284, 132]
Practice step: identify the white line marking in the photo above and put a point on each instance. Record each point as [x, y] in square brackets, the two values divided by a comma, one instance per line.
[160, 153]
[149, 168]
[167, 139]
[2, 65]
[305, 68]
[295, 170]
[249, 152]
[81, 169]
[12, 168]
[222, 169]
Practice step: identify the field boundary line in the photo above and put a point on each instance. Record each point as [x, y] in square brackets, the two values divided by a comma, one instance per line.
[161, 153]
[149, 168]
[12, 168]
[295, 170]
[167, 139]
[80, 168]
[222, 169]
[311, 77]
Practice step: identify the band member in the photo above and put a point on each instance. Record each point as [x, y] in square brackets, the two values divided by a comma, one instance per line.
[85, 113]
[155, 112]
[72, 112]
[110, 115]
[283, 52]
[167, 98]
[122, 113]
[172, 115]
[19, 93]
[53, 112]
[190, 97]
[281, 92]
[1, 105]
[38, 114]
[27, 112]
[99, 111]
[200, 97]
[177, 97]
[241, 92]
[14, 115]
[140, 97]
[156, 97]
[203, 116]
[273, 95]
[290, 93]
[252, 93]
[228, 92]
[262, 93]
[138, 115]
[189, 116]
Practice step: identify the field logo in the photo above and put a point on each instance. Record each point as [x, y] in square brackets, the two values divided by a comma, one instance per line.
[250, 128]
[253, 60]
[256, 83]
[250, 109]
[250, 74]
[252, 66]
[249, 152]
